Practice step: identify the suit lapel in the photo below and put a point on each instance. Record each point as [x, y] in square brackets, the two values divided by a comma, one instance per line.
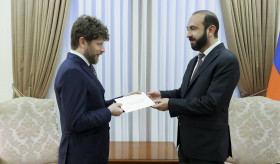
[188, 74]
[209, 58]
[87, 69]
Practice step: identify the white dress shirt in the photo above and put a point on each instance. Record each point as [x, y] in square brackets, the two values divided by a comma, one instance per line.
[81, 56]
[206, 52]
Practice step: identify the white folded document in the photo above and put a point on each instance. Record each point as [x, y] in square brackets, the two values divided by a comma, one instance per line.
[135, 102]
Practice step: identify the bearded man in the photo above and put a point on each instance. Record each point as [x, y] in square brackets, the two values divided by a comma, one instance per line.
[84, 113]
[201, 103]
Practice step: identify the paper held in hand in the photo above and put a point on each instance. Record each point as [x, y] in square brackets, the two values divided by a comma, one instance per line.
[135, 102]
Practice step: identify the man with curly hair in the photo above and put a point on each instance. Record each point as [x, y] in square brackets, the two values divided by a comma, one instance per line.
[84, 113]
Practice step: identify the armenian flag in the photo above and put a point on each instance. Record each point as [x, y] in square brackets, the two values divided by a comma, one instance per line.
[273, 89]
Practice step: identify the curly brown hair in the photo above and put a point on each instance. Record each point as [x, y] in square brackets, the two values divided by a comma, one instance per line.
[88, 27]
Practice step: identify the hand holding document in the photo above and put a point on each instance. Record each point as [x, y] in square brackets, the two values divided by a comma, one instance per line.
[135, 102]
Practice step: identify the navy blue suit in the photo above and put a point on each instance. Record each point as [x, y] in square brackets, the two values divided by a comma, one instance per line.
[201, 105]
[84, 114]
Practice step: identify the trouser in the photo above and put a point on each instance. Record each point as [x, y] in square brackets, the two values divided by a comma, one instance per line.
[183, 159]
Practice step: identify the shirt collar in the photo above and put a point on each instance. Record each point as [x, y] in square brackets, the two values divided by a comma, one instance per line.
[206, 52]
[81, 56]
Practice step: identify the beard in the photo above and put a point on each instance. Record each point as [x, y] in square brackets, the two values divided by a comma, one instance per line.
[200, 42]
[91, 57]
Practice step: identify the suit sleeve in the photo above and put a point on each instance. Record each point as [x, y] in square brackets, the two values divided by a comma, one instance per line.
[224, 81]
[176, 93]
[73, 97]
[110, 102]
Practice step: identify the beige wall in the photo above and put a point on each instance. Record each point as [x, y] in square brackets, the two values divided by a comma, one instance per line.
[6, 76]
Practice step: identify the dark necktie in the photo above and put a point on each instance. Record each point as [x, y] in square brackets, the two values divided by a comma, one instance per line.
[93, 70]
[200, 56]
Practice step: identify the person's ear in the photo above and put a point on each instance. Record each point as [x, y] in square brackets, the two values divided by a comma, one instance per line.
[82, 42]
[211, 31]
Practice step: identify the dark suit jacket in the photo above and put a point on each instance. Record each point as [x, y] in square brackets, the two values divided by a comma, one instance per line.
[84, 114]
[201, 105]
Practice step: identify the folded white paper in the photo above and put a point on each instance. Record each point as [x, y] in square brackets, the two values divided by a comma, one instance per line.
[135, 102]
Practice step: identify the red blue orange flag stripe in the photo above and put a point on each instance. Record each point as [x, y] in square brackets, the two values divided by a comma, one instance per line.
[273, 89]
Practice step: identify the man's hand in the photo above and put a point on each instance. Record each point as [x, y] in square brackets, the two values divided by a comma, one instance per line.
[161, 104]
[115, 109]
[132, 93]
[154, 95]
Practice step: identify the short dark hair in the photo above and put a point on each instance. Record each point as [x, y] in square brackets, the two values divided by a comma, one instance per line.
[88, 27]
[209, 19]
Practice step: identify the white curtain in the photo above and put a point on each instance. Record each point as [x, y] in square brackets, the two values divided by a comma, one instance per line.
[148, 50]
